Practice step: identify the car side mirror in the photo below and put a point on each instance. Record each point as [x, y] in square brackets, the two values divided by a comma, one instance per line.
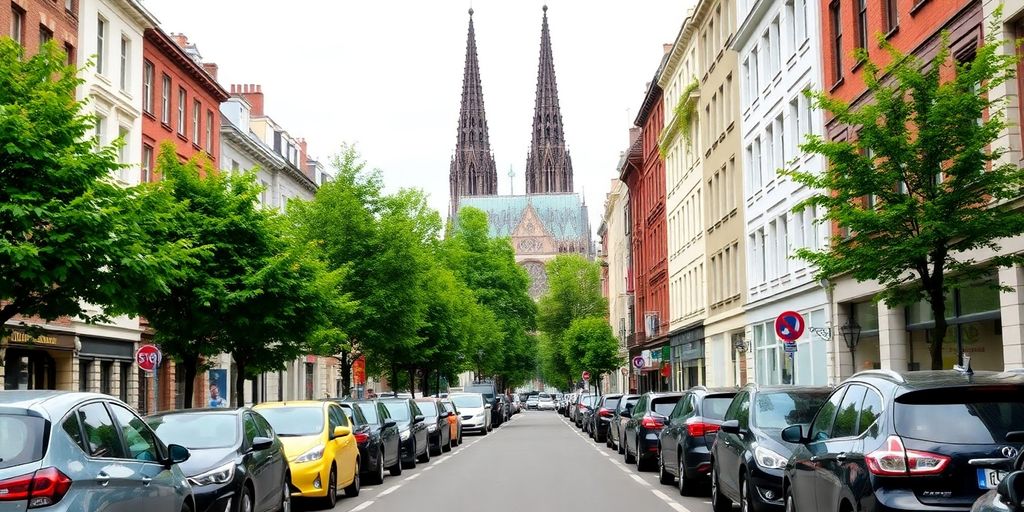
[418, 419]
[1011, 490]
[487, 406]
[793, 434]
[390, 423]
[261, 443]
[625, 414]
[731, 427]
[341, 432]
[1015, 436]
[176, 454]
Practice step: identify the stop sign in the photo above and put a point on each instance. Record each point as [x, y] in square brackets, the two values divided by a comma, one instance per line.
[148, 358]
[586, 375]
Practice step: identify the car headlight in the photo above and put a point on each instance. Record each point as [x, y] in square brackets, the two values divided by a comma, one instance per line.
[479, 414]
[768, 459]
[314, 453]
[432, 428]
[219, 475]
[403, 435]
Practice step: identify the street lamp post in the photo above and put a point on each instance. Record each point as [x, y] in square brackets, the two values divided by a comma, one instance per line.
[851, 336]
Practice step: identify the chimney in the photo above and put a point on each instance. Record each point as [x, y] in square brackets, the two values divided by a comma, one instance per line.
[634, 134]
[211, 69]
[179, 39]
[252, 93]
[303, 156]
[667, 47]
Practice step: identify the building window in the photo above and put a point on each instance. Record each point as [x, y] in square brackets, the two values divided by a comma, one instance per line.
[889, 15]
[165, 101]
[837, 41]
[862, 23]
[69, 51]
[106, 376]
[209, 131]
[69, 5]
[101, 47]
[126, 66]
[84, 367]
[17, 25]
[147, 86]
[147, 163]
[197, 110]
[124, 133]
[126, 369]
[45, 35]
[309, 380]
[101, 130]
[182, 114]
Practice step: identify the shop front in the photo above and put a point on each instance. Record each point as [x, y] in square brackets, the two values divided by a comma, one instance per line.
[105, 366]
[37, 359]
[688, 357]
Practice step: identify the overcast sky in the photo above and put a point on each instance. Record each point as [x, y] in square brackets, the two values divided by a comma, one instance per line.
[387, 75]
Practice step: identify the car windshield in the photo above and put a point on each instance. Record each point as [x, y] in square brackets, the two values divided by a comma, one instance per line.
[778, 410]
[399, 411]
[664, 406]
[428, 408]
[196, 431]
[545, 399]
[471, 401]
[369, 411]
[960, 416]
[590, 400]
[21, 439]
[715, 407]
[295, 421]
[544, 395]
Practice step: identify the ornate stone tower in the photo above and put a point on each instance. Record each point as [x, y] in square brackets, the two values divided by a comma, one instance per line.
[548, 166]
[472, 171]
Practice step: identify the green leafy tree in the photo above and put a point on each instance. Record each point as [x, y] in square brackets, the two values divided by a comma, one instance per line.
[591, 346]
[922, 184]
[574, 293]
[69, 235]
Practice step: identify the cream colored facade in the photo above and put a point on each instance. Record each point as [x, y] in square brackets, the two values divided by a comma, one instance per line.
[617, 261]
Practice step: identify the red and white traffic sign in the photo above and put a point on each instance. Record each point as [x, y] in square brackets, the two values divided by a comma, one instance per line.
[586, 375]
[148, 358]
[789, 326]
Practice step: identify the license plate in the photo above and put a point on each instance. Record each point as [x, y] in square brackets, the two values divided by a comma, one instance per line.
[989, 478]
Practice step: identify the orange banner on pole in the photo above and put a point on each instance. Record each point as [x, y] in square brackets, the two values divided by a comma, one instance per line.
[359, 371]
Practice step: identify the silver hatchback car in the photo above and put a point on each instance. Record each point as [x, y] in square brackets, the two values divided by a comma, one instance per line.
[64, 451]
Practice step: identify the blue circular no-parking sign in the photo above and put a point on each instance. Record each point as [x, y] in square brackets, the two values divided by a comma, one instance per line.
[789, 326]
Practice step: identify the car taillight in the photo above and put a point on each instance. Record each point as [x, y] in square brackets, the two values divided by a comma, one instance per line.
[698, 429]
[43, 488]
[604, 413]
[362, 437]
[895, 460]
[651, 424]
[582, 407]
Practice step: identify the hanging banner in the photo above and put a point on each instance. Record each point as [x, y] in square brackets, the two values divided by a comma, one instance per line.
[359, 371]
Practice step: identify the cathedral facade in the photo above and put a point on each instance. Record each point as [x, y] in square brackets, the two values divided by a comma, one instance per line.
[550, 219]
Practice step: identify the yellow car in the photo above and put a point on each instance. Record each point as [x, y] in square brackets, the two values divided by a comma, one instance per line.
[322, 452]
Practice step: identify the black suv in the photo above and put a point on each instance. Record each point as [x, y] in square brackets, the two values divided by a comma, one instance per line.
[748, 455]
[604, 416]
[889, 441]
[688, 436]
[412, 430]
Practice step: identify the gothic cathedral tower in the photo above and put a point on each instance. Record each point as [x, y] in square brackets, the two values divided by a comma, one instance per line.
[548, 166]
[472, 171]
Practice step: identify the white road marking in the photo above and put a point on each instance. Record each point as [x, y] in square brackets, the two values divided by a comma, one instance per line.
[428, 468]
[362, 506]
[639, 479]
[389, 491]
[678, 507]
[413, 477]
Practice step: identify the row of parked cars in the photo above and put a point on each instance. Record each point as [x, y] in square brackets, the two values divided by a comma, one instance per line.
[87, 451]
[881, 440]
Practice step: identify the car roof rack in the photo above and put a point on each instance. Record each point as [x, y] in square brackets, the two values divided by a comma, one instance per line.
[888, 373]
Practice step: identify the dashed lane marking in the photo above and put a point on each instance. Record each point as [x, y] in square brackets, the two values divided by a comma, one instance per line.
[362, 506]
[678, 507]
[389, 491]
[639, 479]
[413, 477]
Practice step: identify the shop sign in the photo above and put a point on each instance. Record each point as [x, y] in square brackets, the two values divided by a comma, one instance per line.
[22, 338]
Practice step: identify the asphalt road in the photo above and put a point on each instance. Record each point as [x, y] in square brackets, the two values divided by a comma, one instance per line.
[536, 462]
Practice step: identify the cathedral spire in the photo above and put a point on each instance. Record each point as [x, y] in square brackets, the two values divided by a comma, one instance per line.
[548, 166]
[472, 171]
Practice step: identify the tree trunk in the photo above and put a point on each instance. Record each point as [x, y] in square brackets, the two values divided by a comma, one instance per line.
[346, 375]
[412, 381]
[394, 378]
[938, 334]
[425, 387]
[239, 388]
[189, 365]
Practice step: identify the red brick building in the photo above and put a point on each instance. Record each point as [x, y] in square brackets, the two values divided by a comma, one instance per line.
[180, 100]
[33, 22]
[643, 172]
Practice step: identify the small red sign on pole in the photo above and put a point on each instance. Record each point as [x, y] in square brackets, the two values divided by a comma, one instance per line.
[148, 358]
[789, 326]
[586, 375]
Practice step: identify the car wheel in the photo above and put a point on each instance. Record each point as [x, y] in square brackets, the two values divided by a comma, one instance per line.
[448, 446]
[640, 466]
[628, 457]
[378, 474]
[396, 469]
[332, 489]
[790, 502]
[664, 477]
[286, 495]
[719, 503]
[619, 445]
[186, 507]
[245, 502]
[685, 484]
[745, 497]
[353, 489]
[426, 454]
[411, 464]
